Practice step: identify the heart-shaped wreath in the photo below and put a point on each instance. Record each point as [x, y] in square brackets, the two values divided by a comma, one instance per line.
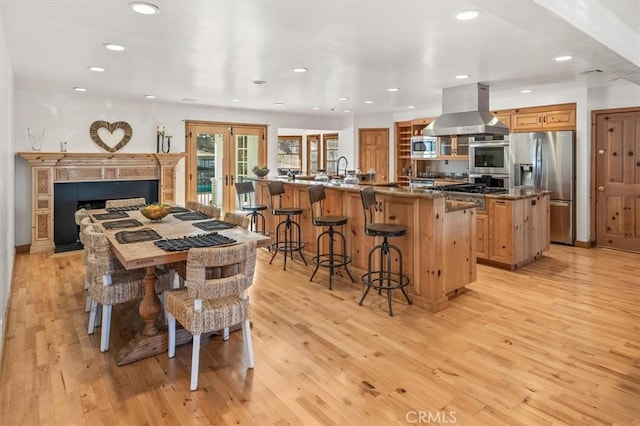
[110, 136]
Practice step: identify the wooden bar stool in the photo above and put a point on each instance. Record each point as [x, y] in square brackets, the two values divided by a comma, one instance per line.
[384, 278]
[292, 241]
[245, 192]
[330, 259]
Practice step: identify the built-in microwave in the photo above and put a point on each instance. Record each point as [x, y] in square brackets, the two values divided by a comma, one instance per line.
[424, 147]
[490, 155]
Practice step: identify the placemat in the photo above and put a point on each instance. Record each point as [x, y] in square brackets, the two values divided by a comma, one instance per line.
[111, 215]
[176, 209]
[191, 216]
[186, 243]
[214, 225]
[121, 224]
[124, 208]
[126, 237]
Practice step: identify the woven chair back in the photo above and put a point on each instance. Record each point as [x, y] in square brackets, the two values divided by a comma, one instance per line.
[238, 219]
[238, 260]
[126, 202]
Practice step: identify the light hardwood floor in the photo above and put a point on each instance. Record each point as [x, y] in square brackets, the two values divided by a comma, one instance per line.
[556, 342]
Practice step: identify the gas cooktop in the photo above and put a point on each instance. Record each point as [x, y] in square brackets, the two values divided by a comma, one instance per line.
[471, 188]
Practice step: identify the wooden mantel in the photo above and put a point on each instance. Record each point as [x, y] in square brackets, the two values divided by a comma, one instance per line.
[48, 168]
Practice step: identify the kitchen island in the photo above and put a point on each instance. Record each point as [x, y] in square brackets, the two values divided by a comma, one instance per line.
[439, 248]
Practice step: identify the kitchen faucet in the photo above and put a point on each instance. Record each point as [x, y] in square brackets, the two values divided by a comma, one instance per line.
[346, 164]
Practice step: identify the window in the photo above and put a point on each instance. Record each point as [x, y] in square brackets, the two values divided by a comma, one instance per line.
[289, 154]
[331, 153]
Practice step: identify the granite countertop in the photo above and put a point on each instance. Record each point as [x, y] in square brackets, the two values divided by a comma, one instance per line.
[517, 194]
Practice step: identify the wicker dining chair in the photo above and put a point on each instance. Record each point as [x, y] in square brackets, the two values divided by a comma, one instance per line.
[125, 202]
[109, 285]
[238, 219]
[213, 304]
[207, 210]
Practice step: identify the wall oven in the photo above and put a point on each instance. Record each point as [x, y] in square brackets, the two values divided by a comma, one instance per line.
[424, 147]
[490, 155]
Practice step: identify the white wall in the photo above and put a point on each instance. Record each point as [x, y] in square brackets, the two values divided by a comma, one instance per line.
[68, 116]
[7, 251]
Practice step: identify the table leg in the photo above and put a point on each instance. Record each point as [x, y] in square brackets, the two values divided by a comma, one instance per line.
[150, 305]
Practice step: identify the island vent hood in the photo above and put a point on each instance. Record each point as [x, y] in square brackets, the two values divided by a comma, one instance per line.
[465, 111]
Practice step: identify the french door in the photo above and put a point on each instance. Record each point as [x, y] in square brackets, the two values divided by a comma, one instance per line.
[218, 156]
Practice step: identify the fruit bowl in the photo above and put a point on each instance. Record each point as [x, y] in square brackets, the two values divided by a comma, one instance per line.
[260, 171]
[155, 211]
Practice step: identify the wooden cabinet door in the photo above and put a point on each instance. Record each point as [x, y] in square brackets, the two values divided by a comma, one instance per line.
[482, 236]
[559, 120]
[526, 121]
[500, 214]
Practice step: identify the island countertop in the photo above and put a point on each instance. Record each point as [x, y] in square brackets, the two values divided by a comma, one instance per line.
[439, 246]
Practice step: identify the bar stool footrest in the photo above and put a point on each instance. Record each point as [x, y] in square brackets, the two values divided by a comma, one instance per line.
[325, 260]
[288, 247]
[397, 281]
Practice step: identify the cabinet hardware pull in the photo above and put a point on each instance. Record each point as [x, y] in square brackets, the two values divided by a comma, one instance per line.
[226, 180]
[601, 152]
[601, 188]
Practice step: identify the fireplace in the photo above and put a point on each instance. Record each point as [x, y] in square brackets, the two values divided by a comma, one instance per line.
[68, 197]
[60, 180]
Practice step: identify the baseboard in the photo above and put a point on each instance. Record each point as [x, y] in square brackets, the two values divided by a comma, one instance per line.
[23, 248]
[584, 244]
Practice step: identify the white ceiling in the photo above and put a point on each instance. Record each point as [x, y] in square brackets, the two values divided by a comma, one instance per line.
[211, 51]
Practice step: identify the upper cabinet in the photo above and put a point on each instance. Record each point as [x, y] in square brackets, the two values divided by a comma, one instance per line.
[453, 148]
[553, 117]
[505, 118]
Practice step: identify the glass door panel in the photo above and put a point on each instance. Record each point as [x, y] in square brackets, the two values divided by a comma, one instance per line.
[218, 156]
[331, 153]
[313, 154]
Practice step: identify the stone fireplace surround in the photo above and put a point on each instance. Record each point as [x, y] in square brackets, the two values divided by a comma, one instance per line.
[51, 170]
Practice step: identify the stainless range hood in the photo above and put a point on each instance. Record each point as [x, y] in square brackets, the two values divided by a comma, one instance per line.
[465, 111]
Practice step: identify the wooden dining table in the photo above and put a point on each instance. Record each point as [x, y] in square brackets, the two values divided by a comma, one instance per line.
[153, 340]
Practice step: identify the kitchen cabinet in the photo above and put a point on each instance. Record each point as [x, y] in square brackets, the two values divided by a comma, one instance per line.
[482, 235]
[513, 232]
[500, 214]
[544, 120]
[453, 148]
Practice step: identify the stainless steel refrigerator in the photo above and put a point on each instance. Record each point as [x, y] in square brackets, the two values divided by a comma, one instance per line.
[546, 160]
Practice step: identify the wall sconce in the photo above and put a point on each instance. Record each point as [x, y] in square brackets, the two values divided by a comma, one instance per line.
[161, 136]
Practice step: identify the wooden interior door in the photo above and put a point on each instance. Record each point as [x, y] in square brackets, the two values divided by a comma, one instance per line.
[617, 179]
[218, 155]
[373, 152]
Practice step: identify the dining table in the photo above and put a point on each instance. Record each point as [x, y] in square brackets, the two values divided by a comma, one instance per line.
[138, 242]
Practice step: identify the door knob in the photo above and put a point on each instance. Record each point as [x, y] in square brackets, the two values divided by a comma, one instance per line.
[601, 152]
[601, 188]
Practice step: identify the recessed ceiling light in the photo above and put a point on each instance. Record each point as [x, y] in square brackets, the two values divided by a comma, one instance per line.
[461, 76]
[258, 82]
[343, 98]
[315, 107]
[97, 69]
[467, 15]
[526, 91]
[150, 96]
[79, 89]
[235, 100]
[411, 107]
[347, 110]
[368, 102]
[278, 103]
[563, 58]
[114, 47]
[189, 99]
[299, 69]
[392, 89]
[144, 8]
